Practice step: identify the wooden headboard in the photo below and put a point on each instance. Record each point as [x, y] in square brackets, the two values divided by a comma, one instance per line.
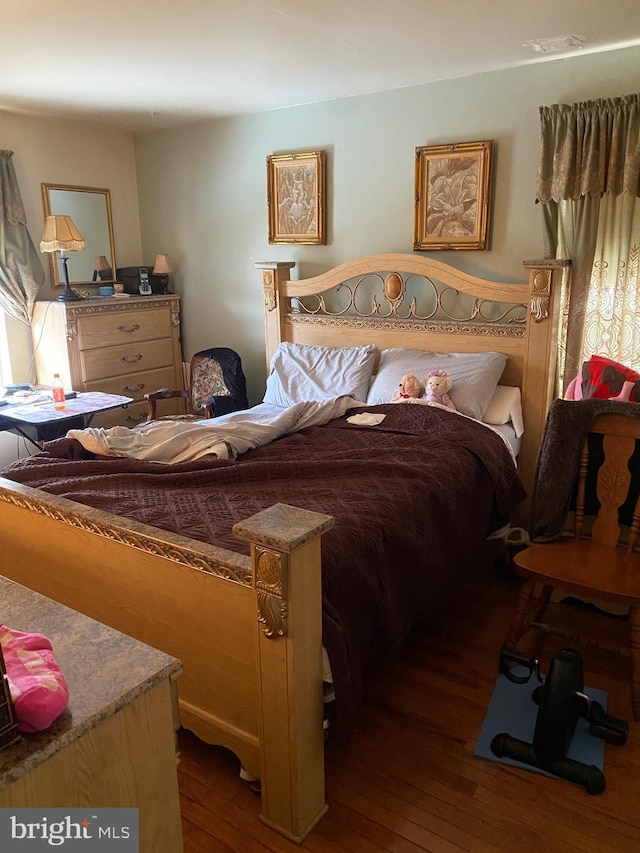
[518, 319]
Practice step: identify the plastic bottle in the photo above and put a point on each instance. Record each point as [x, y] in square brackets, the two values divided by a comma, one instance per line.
[57, 389]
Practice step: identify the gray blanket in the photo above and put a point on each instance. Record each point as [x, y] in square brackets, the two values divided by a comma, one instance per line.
[566, 429]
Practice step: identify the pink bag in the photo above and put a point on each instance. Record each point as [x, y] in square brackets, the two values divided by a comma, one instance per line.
[38, 688]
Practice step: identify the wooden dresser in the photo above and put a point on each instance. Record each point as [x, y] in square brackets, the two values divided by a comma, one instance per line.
[119, 346]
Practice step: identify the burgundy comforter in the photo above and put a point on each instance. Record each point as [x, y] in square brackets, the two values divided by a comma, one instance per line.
[413, 499]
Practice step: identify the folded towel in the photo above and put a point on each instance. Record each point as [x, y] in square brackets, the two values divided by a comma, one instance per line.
[38, 688]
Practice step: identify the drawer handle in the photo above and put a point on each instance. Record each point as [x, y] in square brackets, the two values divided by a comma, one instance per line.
[135, 419]
[133, 328]
[131, 360]
[137, 387]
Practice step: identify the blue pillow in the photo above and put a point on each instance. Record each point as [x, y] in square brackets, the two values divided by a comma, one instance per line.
[303, 372]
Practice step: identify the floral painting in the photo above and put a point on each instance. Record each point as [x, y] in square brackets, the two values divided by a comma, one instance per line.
[295, 197]
[452, 196]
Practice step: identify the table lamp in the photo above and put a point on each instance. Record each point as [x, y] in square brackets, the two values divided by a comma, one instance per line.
[100, 265]
[61, 235]
[162, 267]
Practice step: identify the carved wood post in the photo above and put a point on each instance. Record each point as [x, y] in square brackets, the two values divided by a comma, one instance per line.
[546, 278]
[285, 553]
[274, 273]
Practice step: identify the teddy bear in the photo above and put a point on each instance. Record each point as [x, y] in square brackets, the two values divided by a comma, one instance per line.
[409, 389]
[437, 385]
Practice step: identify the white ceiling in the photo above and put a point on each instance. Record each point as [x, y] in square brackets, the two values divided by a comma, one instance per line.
[141, 64]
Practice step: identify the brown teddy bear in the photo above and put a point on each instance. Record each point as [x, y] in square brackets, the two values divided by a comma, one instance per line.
[409, 389]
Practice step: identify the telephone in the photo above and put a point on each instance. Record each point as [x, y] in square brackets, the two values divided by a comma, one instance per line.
[144, 287]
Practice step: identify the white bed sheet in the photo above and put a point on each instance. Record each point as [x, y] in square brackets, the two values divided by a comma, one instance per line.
[509, 433]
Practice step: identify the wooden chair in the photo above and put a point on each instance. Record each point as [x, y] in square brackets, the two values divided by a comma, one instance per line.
[599, 560]
[216, 386]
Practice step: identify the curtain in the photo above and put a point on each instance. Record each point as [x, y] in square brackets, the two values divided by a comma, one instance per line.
[588, 183]
[574, 226]
[612, 316]
[21, 271]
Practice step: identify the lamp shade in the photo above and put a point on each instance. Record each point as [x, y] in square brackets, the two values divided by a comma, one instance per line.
[162, 265]
[61, 235]
[101, 263]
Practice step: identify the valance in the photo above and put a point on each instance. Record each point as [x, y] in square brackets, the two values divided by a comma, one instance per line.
[589, 148]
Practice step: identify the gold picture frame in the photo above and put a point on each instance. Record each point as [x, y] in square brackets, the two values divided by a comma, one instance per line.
[295, 198]
[452, 195]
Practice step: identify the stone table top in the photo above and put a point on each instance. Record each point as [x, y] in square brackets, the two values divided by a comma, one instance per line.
[105, 671]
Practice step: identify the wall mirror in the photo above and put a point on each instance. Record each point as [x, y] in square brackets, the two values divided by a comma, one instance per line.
[90, 209]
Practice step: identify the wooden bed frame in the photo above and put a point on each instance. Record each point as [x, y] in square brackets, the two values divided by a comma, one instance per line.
[248, 630]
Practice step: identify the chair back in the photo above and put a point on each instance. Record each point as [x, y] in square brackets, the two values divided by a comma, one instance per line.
[617, 508]
[215, 372]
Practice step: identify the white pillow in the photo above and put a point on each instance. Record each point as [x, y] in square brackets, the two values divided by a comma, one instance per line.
[301, 372]
[475, 375]
[505, 407]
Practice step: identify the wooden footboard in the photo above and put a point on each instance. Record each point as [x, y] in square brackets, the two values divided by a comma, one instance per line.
[248, 631]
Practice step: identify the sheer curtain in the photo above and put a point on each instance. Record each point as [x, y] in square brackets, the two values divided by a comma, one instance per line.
[21, 270]
[588, 186]
[612, 316]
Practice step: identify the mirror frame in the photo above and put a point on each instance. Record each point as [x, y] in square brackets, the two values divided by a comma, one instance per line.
[53, 256]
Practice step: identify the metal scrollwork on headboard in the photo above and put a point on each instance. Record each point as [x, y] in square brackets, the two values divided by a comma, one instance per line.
[389, 296]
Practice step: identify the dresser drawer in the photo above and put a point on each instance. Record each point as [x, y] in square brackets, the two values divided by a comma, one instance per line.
[135, 385]
[112, 328]
[109, 362]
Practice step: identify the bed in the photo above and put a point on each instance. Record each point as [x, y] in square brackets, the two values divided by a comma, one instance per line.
[247, 621]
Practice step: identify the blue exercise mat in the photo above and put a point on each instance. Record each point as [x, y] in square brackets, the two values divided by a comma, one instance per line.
[512, 710]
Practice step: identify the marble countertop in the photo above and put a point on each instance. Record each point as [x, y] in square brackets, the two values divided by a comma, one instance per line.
[105, 671]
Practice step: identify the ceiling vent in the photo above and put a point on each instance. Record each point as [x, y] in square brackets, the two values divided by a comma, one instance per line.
[556, 44]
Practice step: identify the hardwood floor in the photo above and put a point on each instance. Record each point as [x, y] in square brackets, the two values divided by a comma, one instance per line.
[410, 782]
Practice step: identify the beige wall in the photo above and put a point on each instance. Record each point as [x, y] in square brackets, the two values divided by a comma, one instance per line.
[53, 151]
[202, 187]
[65, 152]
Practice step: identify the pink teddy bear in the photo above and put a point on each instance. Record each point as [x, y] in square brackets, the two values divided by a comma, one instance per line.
[437, 385]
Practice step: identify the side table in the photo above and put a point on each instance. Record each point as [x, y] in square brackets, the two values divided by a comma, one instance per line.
[40, 421]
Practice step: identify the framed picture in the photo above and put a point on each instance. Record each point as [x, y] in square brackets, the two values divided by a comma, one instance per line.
[295, 197]
[452, 194]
